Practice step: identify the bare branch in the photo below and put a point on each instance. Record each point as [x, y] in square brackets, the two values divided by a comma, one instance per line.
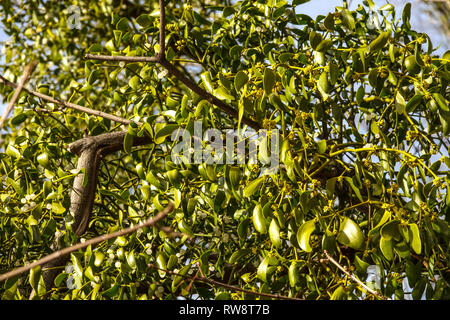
[160, 58]
[162, 30]
[68, 104]
[351, 276]
[224, 285]
[25, 77]
[121, 58]
[63, 252]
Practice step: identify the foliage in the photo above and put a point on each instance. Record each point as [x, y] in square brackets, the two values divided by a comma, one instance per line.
[364, 120]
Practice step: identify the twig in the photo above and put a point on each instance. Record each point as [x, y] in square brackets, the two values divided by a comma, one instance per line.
[68, 104]
[57, 254]
[162, 29]
[223, 285]
[161, 59]
[121, 58]
[351, 276]
[25, 77]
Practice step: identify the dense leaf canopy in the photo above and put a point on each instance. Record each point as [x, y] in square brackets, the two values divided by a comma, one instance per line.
[361, 105]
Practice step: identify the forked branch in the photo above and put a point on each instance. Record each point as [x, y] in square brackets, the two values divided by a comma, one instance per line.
[215, 283]
[355, 279]
[161, 59]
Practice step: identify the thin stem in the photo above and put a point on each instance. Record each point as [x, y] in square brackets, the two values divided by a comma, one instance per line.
[25, 77]
[161, 59]
[223, 285]
[351, 276]
[68, 104]
[121, 58]
[162, 30]
[387, 150]
[57, 254]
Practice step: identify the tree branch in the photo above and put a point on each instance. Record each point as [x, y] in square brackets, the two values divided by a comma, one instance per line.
[127, 59]
[355, 279]
[67, 104]
[64, 252]
[161, 59]
[25, 77]
[224, 285]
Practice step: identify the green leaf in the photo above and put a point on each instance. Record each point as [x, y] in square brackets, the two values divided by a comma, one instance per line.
[35, 276]
[12, 151]
[18, 119]
[386, 216]
[293, 274]
[253, 186]
[379, 42]
[285, 57]
[150, 177]
[269, 80]
[224, 81]
[243, 227]
[185, 228]
[111, 292]
[406, 15]
[144, 20]
[228, 11]
[328, 22]
[128, 142]
[355, 189]
[110, 46]
[415, 241]
[360, 95]
[323, 85]
[274, 234]
[348, 19]
[206, 78]
[441, 101]
[60, 278]
[322, 146]
[134, 82]
[324, 45]
[234, 176]
[400, 103]
[413, 272]
[162, 130]
[123, 24]
[350, 234]
[240, 80]
[314, 39]
[259, 220]
[93, 76]
[390, 230]
[361, 266]
[161, 263]
[95, 48]
[262, 270]
[334, 73]
[178, 278]
[304, 233]
[223, 93]
[414, 102]
[58, 208]
[386, 248]
[339, 294]
[239, 255]
[98, 258]
[43, 159]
